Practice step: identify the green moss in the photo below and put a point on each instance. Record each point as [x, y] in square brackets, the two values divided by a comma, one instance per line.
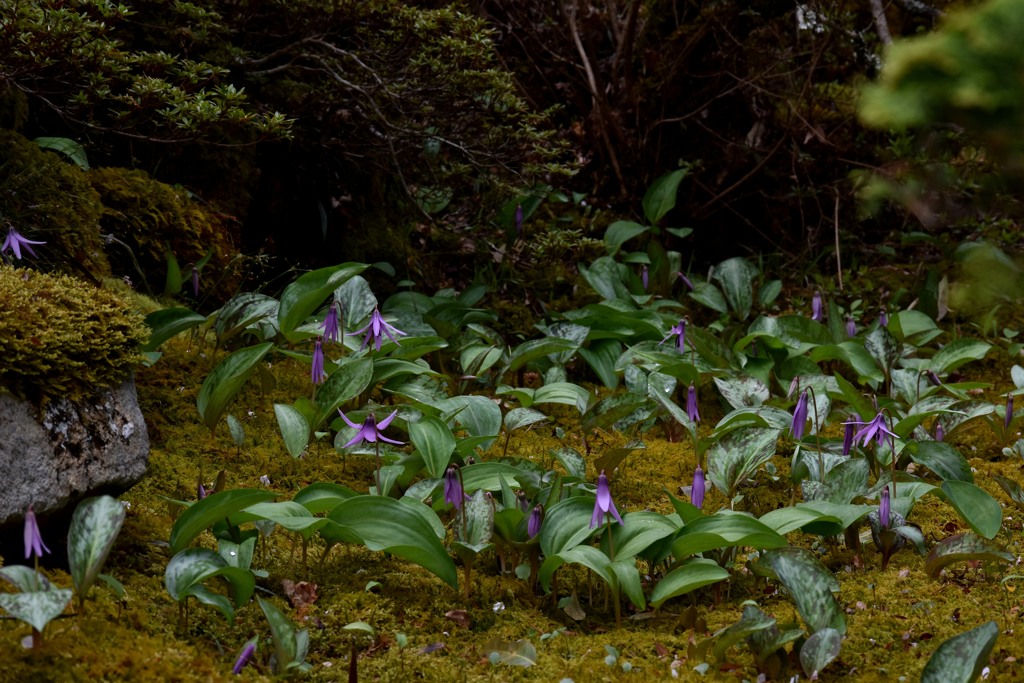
[45, 197]
[61, 336]
[148, 218]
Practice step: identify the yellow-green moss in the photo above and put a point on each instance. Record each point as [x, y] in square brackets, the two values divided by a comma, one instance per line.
[45, 197]
[148, 218]
[60, 336]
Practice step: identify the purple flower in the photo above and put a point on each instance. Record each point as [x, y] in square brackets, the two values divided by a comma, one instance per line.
[934, 379]
[851, 327]
[848, 433]
[691, 404]
[536, 517]
[796, 429]
[685, 280]
[195, 282]
[200, 491]
[679, 331]
[33, 540]
[376, 329]
[883, 508]
[940, 433]
[519, 221]
[247, 652]
[317, 372]
[603, 503]
[817, 308]
[453, 492]
[331, 325]
[876, 429]
[370, 430]
[697, 490]
[1009, 412]
[644, 276]
[15, 242]
[883, 318]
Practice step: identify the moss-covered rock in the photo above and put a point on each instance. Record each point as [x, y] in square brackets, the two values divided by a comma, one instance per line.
[148, 218]
[45, 197]
[60, 336]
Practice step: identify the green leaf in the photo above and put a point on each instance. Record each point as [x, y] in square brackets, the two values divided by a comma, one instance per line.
[294, 428]
[517, 418]
[640, 531]
[573, 462]
[963, 548]
[854, 355]
[307, 293]
[736, 275]
[961, 658]
[69, 148]
[709, 295]
[236, 429]
[384, 524]
[344, 384]
[564, 393]
[810, 585]
[242, 312]
[738, 455]
[288, 646]
[478, 415]
[202, 514]
[478, 528]
[94, 527]
[620, 232]
[434, 442]
[168, 322]
[752, 622]
[567, 524]
[288, 514]
[36, 608]
[660, 197]
[724, 529]
[975, 506]
[958, 352]
[601, 356]
[690, 575]
[521, 653]
[819, 651]
[941, 458]
[221, 385]
[323, 496]
[539, 348]
[769, 293]
[603, 276]
[191, 567]
[742, 392]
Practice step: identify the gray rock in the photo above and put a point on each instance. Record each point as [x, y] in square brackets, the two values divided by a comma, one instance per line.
[72, 451]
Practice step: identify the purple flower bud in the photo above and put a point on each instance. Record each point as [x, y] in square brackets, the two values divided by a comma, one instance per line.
[603, 503]
[453, 491]
[934, 379]
[33, 539]
[883, 508]
[200, 491]
[247, 652]
[644, 276]
[850, 427]
[332, 325]
[817, 308]
[796, 429]
[851, 327]
[883, 318]
[522, 501]
[685, 280]
[1009, 412]
[195, 282]
[940, 433]
[536, 517]
[697, 490]
[317, 372]
[691, 404]
[519, 221]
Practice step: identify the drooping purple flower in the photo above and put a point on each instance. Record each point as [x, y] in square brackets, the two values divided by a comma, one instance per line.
[246, 655]
[817, 308]
[536, 518]
[453, 491]
[519, 221]
[850, 428]
[377, 329]
[522, 501]
[1009, 412]
[644, 276]
[195, 282]
[679, 332]
[331, 325]
[883, 318]
[200, 491]
[796, 428]
[883, 508]
[370, 430]
[876, 429]
[697, 490]
[603, 503]
[691, 404]
[15, 242]
[318, 374]
[851, 327]
[934, 379]
[940, 433]
[685, 280]
[33, 539]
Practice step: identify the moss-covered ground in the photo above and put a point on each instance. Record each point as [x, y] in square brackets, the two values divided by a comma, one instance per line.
[896, 617]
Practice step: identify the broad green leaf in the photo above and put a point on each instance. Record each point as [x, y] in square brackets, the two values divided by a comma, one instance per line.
[962, 658]
[690, 575]
[36, 608]
[94, 527]
[25, 578]
[603, 276]
[742, 392]
[488, 475]
[958, 352]
[307, 293]
[565, 393]
[434, 442]
[882, 347]
[539, 348]
[1012, 489]
[709, 295]
[573, 462]
[819, 651]
[736, 275]
[786, 519]
[738, 455]
[477, 526]
[236, 429]
[601, 356]
[586, 555]
[912, 323]
[68, 147]
[567, 524]
[289, 647]
[221, 385]
[620, 232]
[975, 506]
[294, 428]
[193, 566]
[853, 354]
[660, 197]
[724, 529]
[517, 418]
[342, 385]
[628, 577]
[640, 531]
[323, 496]
[941, 458]
[385, 524]
[963, 548]
[613, 457]
[202, 514]
[479, 416]
[288, 514]
[810, 585]
[243, 311]
[167, 322]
